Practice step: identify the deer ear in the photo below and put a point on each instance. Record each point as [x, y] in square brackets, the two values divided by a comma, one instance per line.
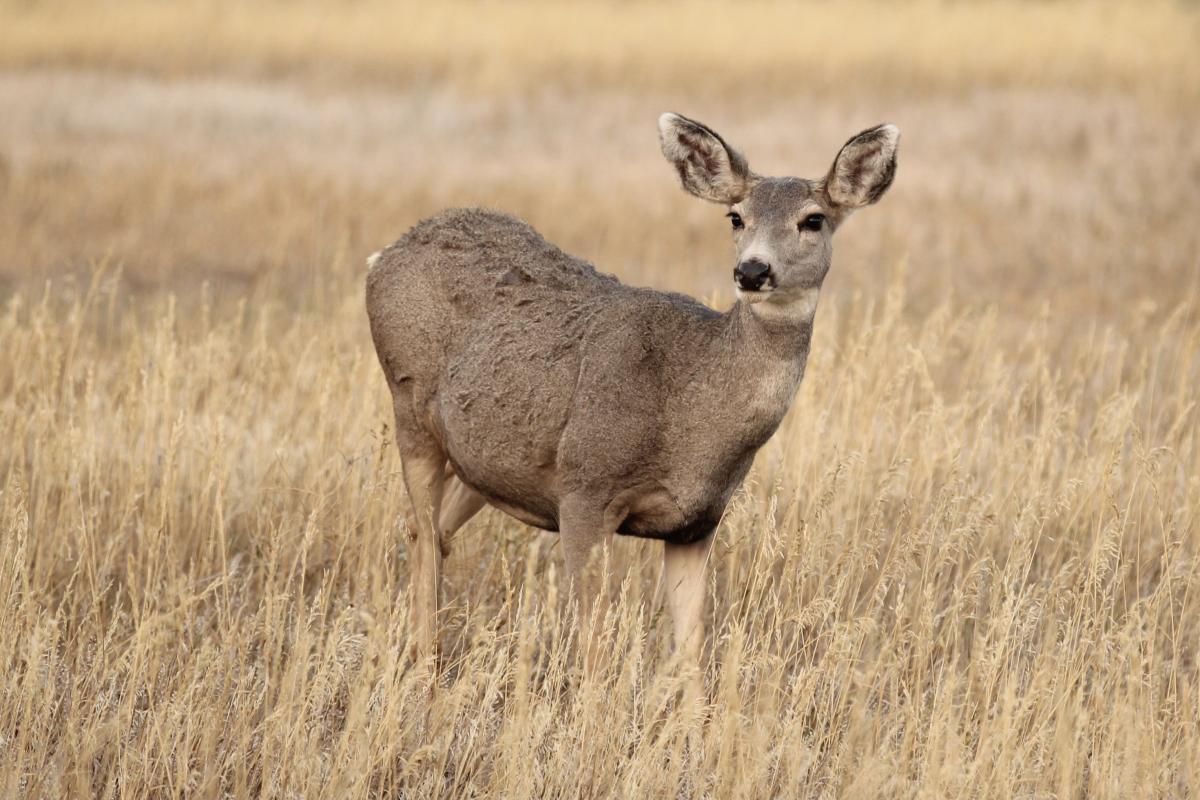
[708, 167]
[864, 168]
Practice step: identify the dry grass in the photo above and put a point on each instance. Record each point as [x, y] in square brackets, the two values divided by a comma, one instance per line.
[967, 565]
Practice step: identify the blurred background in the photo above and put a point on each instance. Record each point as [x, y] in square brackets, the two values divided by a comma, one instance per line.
[1049, 158]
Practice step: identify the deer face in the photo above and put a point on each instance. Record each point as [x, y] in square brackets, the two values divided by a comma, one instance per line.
[782, 227]
[781, 233]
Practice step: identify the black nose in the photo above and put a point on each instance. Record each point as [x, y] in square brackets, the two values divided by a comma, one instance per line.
[751, 274]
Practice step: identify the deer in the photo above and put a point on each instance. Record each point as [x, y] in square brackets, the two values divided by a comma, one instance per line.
[523, 379]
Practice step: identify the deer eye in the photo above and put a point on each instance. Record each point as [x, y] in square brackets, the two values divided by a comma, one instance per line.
[812, 222]
[735, 219]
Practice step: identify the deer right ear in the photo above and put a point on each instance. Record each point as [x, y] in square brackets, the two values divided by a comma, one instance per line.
[708, 167]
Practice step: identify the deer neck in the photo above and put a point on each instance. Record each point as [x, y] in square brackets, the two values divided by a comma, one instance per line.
[778, 331]
[768, 345]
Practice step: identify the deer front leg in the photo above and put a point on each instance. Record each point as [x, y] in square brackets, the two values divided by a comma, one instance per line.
[683, 572]
[582, 527]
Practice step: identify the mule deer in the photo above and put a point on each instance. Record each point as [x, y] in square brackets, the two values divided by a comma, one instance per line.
[523, 378]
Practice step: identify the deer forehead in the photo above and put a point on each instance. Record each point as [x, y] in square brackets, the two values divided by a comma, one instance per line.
[779, 200]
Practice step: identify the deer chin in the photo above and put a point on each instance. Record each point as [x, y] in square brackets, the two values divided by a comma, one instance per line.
[750, 296]
[796, 305]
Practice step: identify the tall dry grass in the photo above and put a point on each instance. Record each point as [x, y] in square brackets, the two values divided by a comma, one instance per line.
[966, 566]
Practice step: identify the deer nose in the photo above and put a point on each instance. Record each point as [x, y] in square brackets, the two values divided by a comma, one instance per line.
[751, 274]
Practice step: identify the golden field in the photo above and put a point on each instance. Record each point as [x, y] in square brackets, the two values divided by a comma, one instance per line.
[966, 565]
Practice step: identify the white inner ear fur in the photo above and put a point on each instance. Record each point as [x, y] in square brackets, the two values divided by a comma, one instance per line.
[861, 165]
[724, 183]
[666, 125]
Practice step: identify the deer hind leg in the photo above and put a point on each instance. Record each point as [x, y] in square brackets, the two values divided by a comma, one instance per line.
[683, 572]
[424, 478]
[459, 503]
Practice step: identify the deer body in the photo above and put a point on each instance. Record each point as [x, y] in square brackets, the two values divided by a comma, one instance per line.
[540, 377]
[523, 378]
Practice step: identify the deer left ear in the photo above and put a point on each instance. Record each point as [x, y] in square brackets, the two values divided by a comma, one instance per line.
[864, 168]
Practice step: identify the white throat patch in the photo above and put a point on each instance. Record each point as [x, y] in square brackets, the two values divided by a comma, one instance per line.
[798, 306]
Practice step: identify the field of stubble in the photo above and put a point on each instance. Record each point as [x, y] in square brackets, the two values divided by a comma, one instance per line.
[968, 564]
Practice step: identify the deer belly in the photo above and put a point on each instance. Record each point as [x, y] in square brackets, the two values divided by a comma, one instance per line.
[520, 489]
